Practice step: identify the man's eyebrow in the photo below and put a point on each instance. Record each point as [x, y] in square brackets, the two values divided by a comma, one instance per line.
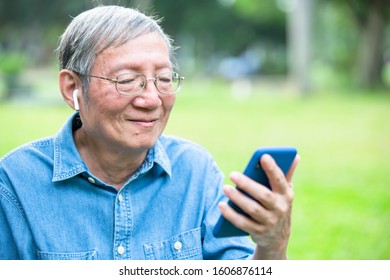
[136, 67]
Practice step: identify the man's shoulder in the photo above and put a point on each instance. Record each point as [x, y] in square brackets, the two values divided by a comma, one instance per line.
[186, 154]
[29, 150]
[177, 144]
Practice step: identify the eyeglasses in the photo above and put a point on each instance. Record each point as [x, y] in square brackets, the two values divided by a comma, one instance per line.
[133, 83]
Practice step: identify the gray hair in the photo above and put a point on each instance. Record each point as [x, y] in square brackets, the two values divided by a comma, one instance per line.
[93, 31]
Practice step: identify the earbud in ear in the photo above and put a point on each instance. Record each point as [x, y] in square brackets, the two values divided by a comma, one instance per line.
[75, 100]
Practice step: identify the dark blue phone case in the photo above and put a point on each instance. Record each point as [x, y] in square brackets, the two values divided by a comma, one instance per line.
[283, 156]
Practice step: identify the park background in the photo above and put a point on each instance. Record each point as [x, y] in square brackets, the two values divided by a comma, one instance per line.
[310, 74]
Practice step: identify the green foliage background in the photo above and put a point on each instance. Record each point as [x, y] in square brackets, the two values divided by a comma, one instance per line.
[342, 185]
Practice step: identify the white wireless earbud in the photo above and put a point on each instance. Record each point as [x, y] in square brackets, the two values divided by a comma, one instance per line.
[75, 100]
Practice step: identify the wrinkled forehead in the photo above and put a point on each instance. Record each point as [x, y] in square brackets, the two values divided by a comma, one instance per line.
[127, 37]
[149, 50]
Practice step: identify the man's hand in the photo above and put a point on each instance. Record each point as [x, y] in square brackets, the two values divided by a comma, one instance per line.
[270, 222]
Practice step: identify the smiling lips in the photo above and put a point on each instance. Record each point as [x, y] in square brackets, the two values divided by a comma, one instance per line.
[144, 122]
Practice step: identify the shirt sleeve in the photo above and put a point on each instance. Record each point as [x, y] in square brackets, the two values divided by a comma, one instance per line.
[16, 241]
[220, 248]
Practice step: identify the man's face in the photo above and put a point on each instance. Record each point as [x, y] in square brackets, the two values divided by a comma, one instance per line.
[128, 123]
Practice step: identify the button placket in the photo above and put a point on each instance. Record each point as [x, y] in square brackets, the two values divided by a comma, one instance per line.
[123, 225]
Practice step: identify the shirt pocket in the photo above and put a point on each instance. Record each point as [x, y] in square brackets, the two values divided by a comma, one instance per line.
[86, 255]
[184, 246]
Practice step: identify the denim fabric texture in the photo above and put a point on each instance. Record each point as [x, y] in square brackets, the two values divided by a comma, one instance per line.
[53, 208]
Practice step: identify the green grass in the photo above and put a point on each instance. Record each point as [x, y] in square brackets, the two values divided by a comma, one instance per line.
[342, 185]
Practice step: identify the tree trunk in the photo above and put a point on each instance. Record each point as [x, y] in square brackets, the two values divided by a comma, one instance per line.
[299, 43]
[370, 60]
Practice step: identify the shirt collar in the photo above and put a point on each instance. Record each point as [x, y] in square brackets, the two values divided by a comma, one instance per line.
[68, 162]
[162, 159]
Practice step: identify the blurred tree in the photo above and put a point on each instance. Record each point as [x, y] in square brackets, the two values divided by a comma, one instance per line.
[296, 35]
[270, 19]
[24, 25]
[225, 26]
[33, 26]
[300, 17]
[11, 65]
[371, 18]
[228, 27]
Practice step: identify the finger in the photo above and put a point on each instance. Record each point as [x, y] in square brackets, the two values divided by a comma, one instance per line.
[275, 175]
[261, 193]
[240, 220]
[291, 171]
[250, 206]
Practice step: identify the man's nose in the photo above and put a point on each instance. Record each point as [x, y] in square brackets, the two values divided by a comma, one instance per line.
[149, 97]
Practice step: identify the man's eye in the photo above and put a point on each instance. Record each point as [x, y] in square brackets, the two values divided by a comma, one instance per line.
[126, 81]
[164, 80]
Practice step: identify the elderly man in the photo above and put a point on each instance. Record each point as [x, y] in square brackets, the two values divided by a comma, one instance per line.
[110, 185]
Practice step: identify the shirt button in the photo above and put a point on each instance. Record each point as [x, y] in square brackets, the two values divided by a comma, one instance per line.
[91, 180]
[121, 250]
[120, 197]
[177, 245]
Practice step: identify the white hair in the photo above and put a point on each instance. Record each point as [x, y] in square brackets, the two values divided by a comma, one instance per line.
[93, 31]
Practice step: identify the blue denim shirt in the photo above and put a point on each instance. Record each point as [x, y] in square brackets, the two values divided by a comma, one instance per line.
[52, 207]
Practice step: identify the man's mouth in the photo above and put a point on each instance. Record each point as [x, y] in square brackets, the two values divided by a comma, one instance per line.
[144, 122]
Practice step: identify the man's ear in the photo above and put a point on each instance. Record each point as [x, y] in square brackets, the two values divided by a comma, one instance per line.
[70, 87]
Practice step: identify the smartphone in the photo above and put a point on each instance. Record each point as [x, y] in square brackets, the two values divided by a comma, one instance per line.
[283, 156]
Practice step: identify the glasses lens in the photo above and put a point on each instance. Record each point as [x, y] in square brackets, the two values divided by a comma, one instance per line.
[130, 83]
[168, 83]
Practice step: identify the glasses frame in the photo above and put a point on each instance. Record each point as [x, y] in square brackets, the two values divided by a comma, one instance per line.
[143, 84]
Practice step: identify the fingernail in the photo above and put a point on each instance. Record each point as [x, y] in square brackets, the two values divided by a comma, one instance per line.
[266, 158]
[227, 189]
[234, 176]
[222, 205]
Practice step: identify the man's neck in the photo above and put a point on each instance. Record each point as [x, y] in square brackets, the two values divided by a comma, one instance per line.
[112, 165]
